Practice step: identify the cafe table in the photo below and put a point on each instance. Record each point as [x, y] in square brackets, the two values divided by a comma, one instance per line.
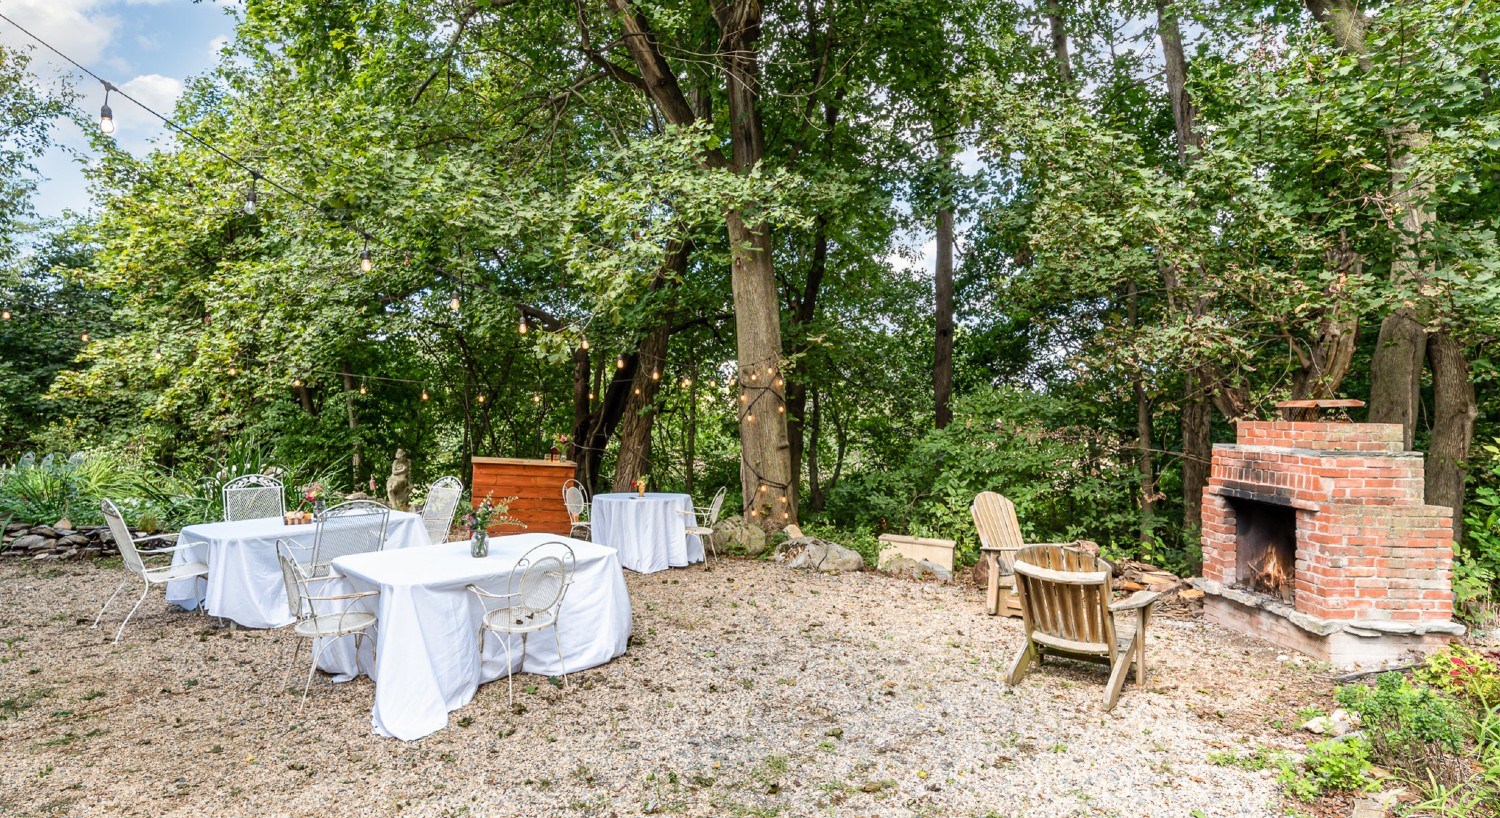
[426, 658]
[244, 577]
[649, 532]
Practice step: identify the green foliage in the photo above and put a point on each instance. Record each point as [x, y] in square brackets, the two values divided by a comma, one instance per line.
[1464, 672]
[57, 487]
[1333, 765]
[1476, 560]
[1400, 719]
[1021, 444]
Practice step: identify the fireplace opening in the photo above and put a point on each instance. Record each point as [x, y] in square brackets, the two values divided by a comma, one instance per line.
[1266, 548]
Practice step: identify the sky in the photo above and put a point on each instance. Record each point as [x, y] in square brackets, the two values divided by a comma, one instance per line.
[147, 48]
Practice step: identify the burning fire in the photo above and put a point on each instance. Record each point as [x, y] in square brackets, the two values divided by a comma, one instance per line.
[1273, 575]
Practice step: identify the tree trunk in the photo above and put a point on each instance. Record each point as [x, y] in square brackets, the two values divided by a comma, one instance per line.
[640, 409]
[357, 459]
[942, 353]
[1183, 110]
[1453, 415]
[804, 309]
[765, 452]
[1197, 450]
[1145, 462]
[814, 483]
[1059, 32]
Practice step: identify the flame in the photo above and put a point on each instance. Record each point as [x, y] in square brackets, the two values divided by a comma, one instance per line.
[1273, 575]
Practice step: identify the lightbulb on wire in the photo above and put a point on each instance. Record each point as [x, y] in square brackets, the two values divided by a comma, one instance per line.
[4, 315]
[157, 354]
[85, 337]
[591, 395]
[536, 398]
[297, 383]
[250, 195]
[655, 375]
[106, 116]
[525, 325]
[363, 388]
[365, 263]
[424, 393]
[453, 303]
[585, 345]
[619, 362]
[480, 398]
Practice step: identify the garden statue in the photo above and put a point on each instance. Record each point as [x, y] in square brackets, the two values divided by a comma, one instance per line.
[398, 485]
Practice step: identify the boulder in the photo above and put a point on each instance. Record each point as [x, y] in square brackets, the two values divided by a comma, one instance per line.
[31, 542]
[818, 554]
[736, 532]
[917, 569]
[74, 539]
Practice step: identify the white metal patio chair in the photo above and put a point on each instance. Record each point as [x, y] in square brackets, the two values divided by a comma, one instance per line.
[135, 563]
[577, 501]
[442, 503]
[354, 527]
[332, 623]
[252, 496]
[702, 519]
[533, 598]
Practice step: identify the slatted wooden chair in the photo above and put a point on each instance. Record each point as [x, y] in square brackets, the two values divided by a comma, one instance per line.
[1066, 610]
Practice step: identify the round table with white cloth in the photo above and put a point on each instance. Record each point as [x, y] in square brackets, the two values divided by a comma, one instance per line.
[649, 532]
[244, 576]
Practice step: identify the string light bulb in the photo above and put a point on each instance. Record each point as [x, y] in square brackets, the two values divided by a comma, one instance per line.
[619, 362]
[780, 383]
[744, 397]
[297, 383]
[233, 372]
[480, 398]
[536, 398]
[4, 315]
[655, 375]
[762, 488]
[453, 303]
[106, 116]
[585, 345]
[157, 354]
[686, 382]
[750, 417]
[770, 370]
[781, 410]
[783, 499]
[638, 390]
[591, 395]
[365, 262]
[424, 393]
[250, 195]
[525, 325]
[786, 515]
[754, 377]
[364, 389]
[85, 337]
[754, 512]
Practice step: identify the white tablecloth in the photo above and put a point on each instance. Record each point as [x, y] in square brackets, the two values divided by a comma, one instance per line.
[648, 531]
[428, 660]
[244, 579]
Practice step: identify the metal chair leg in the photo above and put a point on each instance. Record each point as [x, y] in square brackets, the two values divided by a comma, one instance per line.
[560, 663]
[121, 631]
[110, 601]
[292, 663]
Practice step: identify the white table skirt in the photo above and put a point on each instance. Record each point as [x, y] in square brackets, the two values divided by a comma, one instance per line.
[244, 578]
[648, 531]
[427, 661]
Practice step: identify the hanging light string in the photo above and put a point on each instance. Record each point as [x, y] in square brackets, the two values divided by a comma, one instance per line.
[107, 125]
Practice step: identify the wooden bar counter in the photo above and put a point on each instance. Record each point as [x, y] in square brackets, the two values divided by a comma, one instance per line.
[537, 486]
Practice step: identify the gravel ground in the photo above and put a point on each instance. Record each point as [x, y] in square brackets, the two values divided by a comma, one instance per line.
[747, 691]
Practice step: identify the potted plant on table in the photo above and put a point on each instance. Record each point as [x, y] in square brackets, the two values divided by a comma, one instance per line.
[639, 484]
[314, 493]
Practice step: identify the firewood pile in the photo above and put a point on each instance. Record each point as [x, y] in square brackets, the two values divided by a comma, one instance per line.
[1131, 576]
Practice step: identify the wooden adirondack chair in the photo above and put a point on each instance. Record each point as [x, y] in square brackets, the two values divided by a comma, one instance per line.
[999, 540]
[1066, 610]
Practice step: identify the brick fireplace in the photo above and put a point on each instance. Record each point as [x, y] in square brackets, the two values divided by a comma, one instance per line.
[1317, 537]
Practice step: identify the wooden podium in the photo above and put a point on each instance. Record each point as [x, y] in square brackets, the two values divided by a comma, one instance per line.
[537, 486]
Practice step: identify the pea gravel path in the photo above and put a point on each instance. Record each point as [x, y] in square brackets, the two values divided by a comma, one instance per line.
[748, 690]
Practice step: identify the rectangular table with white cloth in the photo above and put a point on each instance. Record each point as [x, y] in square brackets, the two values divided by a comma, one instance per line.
[650, 532]
[244, 578]
[427, 660]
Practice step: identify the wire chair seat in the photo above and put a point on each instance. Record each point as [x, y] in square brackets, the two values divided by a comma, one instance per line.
[297, 575]
[134, 559]
[709, 516]
[442, 503]
[253, 496]
[534, 597]
[337, 624]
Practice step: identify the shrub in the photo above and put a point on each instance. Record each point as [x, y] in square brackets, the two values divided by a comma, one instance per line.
[1331, 765]
[54, 488]
[1465, 672]
[1476, 560]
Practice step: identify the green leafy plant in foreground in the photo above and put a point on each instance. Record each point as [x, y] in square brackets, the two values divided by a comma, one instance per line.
[1340, 765]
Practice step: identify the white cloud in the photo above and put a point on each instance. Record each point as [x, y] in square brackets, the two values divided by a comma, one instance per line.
[77, 28]
[217, 44]
[155, 91]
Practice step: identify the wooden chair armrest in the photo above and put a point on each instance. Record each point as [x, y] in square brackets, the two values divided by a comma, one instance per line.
[1139, 599]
